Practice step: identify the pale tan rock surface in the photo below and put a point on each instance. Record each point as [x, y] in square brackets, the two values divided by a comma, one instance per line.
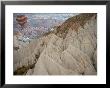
[73, 54]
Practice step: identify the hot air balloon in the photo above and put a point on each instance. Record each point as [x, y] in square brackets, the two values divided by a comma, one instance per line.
[22, 20]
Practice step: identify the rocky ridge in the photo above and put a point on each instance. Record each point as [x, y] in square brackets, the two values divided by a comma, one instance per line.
[71, 49]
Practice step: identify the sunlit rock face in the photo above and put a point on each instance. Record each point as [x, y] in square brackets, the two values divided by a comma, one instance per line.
[70, 49]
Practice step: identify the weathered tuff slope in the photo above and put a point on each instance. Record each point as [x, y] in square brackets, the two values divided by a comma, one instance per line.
[68, 50]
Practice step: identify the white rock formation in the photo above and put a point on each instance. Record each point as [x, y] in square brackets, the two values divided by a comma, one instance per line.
[76, 54]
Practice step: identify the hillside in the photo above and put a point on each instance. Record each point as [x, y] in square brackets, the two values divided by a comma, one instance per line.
[70, 49]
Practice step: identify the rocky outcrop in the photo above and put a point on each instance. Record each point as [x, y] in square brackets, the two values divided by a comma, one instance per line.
[95, 60]
[71, 49]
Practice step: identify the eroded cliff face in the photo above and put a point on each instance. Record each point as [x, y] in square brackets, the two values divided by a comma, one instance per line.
[71, 49]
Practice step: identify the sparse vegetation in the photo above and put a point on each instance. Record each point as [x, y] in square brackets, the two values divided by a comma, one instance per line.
[16, 48]
[23, 70]
[61, 51]
[74, 23]
[45, 34]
